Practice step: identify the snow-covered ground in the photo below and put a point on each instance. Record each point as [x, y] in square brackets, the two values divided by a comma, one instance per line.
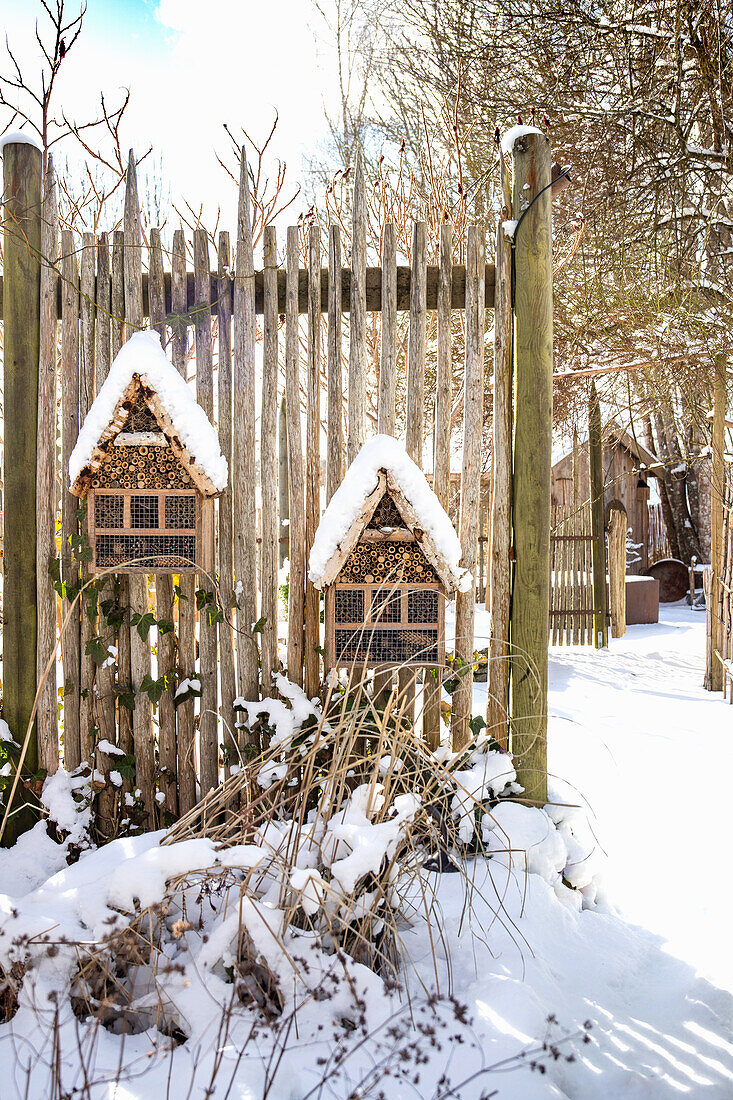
[633, 734]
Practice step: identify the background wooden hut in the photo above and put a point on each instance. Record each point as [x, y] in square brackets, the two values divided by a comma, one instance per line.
[627, 469]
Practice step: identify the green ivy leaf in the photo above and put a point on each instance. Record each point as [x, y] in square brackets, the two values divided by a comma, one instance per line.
[96, 650]
[153, 688]
[126, 697]
[259, 625]
[143, 623]
[112, 612]
[165, 626]
[476, 724]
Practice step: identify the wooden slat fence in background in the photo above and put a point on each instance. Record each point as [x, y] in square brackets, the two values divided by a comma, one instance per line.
[571, 587]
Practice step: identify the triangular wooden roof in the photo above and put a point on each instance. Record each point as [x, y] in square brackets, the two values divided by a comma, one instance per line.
[140, 386]
[613, 430]
[388, 484]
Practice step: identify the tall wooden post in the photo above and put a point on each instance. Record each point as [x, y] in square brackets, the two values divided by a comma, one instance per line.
[46, 482]
[597, 513]
[717, 496]
[21, 317]
[499, 587]
[530, 611]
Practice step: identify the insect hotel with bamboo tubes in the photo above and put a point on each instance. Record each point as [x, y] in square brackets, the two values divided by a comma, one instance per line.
[386, 555]
[148, 463]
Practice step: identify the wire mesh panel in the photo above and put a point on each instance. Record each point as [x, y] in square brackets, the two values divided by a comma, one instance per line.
[422, 606]
[143, 512]
[386, 605]
[387, 646]
[180, 512]
[146, 551]
[109, 510]
[349, 605]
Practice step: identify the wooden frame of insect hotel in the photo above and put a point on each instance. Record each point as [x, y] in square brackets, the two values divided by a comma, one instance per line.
[148, 463]
[387, 576]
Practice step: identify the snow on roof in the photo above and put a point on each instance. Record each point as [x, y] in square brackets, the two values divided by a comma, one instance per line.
[562, 443]
[514, 133]
[143, 355]
[382, 452]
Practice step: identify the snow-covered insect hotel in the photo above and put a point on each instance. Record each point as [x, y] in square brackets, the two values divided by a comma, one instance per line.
[386, 554]
[148, 462]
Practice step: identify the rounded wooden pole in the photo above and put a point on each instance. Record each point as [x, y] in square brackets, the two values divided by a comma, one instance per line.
[717, 481]
[21, 349]
[530, 612]
[597, 513]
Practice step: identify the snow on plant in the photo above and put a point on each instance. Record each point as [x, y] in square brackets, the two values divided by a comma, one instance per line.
[281, 904]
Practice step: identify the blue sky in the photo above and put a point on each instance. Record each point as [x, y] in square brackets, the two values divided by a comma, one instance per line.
[191, 66]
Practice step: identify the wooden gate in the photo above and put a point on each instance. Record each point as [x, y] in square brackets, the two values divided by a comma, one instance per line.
[571, 575]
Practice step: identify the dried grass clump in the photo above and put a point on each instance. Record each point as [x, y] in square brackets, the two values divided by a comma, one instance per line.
[323, 845]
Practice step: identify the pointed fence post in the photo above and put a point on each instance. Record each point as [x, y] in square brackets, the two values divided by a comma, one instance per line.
[473, 415]
[530, 611]
[22, 166]
[244, 473]
[357, 319]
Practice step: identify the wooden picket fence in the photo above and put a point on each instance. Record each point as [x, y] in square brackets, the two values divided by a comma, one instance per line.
[162, 711]
[571, 584]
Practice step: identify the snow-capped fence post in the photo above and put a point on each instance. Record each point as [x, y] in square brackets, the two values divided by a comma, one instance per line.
[142, 719]
[268, 462]
[163, 581]
[208, 649]
[227, 671]
[71, 639]
[335, 392]
[473, 414]
[617, 528]
[499, 587]
[312, 642]
[388, 360]
[244, 473]
[357, 318]
[186, 734]
[717, 498]
[530, 608]
[296, 531]
[22, 169]
[46, 483]
[598, 517]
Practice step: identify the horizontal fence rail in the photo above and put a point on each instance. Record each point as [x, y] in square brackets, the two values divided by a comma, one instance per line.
[373, 290]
